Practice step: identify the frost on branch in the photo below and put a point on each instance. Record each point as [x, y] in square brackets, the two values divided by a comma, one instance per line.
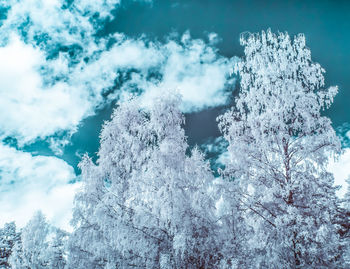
[279, 145]
[39, 245]
[145, 203]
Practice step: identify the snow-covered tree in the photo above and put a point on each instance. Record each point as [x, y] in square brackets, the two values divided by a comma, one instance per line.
[279, 145]
[346, 199]
[236, 247]
[145, 203]
[8, 238]
[102, 218]
[175, 192]
[344, 219]
[16, 259]
[29, 252]
[56, 252]
[39, 246]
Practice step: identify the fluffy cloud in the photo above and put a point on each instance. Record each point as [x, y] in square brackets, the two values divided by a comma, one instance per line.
[30, 183]
[37, 96]
[52, 23]
[28, 108]
[195, 69]
[41, 96]
[341, 170]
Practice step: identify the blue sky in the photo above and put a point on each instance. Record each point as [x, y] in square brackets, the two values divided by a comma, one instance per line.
[64, 65]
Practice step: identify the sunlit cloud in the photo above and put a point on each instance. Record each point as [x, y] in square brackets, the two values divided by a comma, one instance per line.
[30, 183]
[34, 109]
[195, 69]
[341, 170]
[29, 109]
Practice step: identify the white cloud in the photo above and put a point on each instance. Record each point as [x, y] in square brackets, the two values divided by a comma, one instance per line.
[41, 96]
[30, 183]
[102, 7]
[341, 170]
[49, 23]
[191, 67]
[28, 108]
[34, 104]
[128, 53]
[38, 95]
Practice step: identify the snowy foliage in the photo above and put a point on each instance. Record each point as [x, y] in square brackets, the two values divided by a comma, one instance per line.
[279, 144]
[39, 246]
[8, 238]
[145, 203]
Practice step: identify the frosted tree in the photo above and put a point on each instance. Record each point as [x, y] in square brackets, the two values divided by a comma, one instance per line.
[16, 260]
[175, 193]
[34, 242]
[104, 234]
[345, 222]
[86, 242]
[39, 245]
[236, 248]
[145, 203]
[279, 145]
[56, 252]
[8, 238]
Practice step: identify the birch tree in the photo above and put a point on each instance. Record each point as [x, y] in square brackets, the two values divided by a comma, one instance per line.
[176, 191]
[145, 203]
[279, 146]
[103, 220]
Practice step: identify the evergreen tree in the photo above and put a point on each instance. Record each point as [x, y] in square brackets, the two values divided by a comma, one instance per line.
[16, 259]
[8, 237]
